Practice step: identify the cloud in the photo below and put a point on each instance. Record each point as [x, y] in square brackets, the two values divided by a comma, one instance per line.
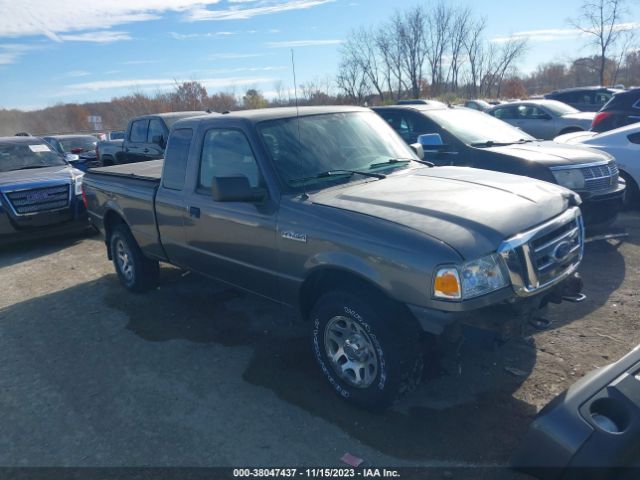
[554, 34]
[10, 52]
[77, 73]
[264, 7]
[160, 83]
[43, 17]
[303, 43]
[139, 62]
[106, 36]
[187, 36]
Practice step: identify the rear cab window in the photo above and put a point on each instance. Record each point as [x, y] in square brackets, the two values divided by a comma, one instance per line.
[176, 156]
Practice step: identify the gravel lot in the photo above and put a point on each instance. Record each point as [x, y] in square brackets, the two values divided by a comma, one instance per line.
[197, 374]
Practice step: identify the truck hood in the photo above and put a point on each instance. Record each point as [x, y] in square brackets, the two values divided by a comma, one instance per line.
[471, 210]
[552, 153]
[16, 178]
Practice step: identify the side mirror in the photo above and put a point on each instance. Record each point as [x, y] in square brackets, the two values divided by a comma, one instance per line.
[235, 189]
[432, 143]
[158, 140]
[418, 150]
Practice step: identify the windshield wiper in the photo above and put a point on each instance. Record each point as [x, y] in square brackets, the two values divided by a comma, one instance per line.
[338, 173]
[33, 166]
[394, 161]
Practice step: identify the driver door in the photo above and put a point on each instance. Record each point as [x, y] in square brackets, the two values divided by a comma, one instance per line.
[232, 241]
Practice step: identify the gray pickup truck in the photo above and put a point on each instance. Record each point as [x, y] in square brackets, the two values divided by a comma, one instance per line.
[327, 210]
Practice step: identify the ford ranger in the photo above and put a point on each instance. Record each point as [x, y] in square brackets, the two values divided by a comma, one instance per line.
[327, 210]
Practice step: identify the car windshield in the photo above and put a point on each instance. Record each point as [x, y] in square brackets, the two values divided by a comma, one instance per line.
[22, 156]
[78, 144]
[304, 149]
[559, 108]
[473, 127]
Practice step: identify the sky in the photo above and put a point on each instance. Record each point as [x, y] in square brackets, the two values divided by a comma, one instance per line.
[63, 51]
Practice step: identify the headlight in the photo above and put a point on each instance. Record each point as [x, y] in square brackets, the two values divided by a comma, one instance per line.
[77, 181]
[570, 178]
[471, 279]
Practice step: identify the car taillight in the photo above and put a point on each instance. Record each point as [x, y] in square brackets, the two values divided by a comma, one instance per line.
[84, 198]
[599, 118]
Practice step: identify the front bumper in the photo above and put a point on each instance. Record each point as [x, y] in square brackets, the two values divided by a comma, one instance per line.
[602, 210]
[505, 317]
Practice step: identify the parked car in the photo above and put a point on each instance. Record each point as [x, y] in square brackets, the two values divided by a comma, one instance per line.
[623, 109]
[544, 119]
[328, 211]
[465, 137]
[585, 99]
[79, 150]
[39, 191]
[114, 135]
[480, 105]
[421, 102]
[624, 145]
[144, 139]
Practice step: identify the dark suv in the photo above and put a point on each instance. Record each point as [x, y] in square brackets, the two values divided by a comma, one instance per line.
[585, 99]
[621, 110]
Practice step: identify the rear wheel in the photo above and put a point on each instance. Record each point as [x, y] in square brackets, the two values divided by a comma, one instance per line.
[632, 194]
[367, 348]
[135, 271]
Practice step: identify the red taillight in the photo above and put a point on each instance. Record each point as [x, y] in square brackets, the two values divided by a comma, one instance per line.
[599, 118]
[84, 198]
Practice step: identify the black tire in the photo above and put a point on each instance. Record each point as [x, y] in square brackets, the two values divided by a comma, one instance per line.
[107, 162]
[632, 195]
[570, 130]
[137, 273]
[393, 334]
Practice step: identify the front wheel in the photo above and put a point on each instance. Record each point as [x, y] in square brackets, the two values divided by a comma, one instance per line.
[367, 349]
[135, 271]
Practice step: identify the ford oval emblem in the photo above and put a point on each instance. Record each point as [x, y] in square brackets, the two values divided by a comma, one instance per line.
[562, 251]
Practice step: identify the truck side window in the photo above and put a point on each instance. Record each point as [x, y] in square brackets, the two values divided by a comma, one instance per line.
[226, 153]
[175, 162]
[155, 130]
[139, 131]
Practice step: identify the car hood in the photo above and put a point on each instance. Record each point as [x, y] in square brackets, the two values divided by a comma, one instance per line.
[575, 138]
[471, 210]
[17, 178]
[582, 116]
[552, 153]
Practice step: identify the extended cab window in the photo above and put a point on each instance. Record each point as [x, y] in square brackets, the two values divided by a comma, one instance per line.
[175, 162]
[155, 130]
[139, 131]
[227, 153]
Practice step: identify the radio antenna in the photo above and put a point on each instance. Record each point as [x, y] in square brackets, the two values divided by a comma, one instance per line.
[295, 94]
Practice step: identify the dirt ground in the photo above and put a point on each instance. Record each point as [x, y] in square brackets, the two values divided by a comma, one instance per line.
[197, 374]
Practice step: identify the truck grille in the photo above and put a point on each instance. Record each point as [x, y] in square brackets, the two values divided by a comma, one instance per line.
[25, 202]
[542, 257]
[600, 177]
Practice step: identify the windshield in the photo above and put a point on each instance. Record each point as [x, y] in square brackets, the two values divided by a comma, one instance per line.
[23, 156]
[559, 108]
[304, 148]
[473, 127]
[78, 144]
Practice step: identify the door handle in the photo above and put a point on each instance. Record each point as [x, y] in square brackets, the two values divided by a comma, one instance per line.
[194, 212]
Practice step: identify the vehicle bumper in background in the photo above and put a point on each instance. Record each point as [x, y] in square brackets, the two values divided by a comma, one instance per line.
[506, 317]
[72, 219]
[602, 210]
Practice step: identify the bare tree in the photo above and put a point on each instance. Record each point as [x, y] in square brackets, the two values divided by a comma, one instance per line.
[438, 23]
[390, 43]
[460, 30]
[476, 53]
[352, 80]
[361, 47]
[601, 21]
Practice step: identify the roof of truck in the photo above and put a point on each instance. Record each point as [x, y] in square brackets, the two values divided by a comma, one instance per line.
[279, 112]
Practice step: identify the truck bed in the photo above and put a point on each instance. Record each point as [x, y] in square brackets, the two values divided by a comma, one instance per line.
[151, 170]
